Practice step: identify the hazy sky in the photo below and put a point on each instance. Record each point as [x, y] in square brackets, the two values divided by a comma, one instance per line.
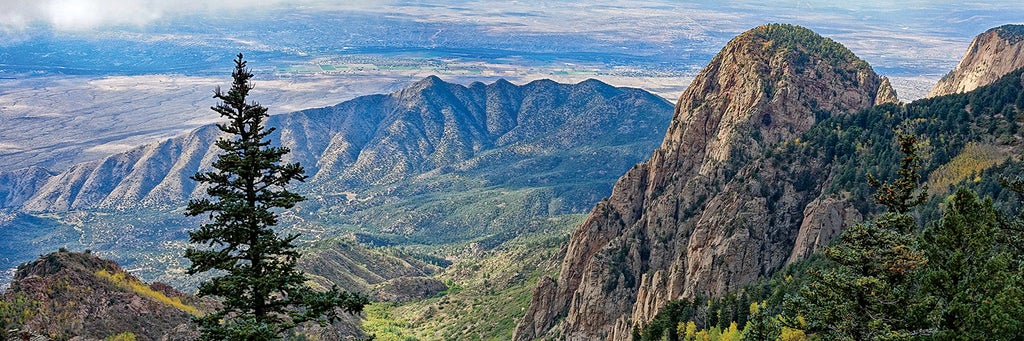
[659, 43]
[78, 15]
[907, 36]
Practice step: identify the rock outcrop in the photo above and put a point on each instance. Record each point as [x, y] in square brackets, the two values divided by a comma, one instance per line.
[823, 219]
[991, 55]
[886, 94]
[79, 295]
[707, 213]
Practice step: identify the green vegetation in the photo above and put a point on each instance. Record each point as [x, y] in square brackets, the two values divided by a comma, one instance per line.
[787, 37]
[488, 293]
[119, 279]
[1012, 33]
[263, 294]
[861, 143]
[126, 336]
[383, 325]
[15, 310]
[972, 280]
[885, 279]
[869, 293]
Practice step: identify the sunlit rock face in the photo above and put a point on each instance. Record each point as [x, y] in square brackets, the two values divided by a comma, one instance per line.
[991, 55]
[706, 214]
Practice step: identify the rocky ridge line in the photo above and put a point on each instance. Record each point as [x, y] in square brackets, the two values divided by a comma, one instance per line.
[707, 213]
[991, 55]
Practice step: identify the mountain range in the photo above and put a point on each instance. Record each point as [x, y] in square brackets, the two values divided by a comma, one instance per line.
[435, 163]
[760, 166]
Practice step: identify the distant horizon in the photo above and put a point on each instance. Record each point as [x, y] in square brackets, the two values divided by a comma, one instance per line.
[899, 38]
[150, 65]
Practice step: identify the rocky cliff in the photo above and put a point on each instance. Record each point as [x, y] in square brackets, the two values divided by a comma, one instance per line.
[707, 212]
[79, 295]
[991, 55]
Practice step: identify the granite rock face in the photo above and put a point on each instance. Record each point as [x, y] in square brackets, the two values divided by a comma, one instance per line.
[886, 94]
[707, 213]
[823, 219]
[991, 55]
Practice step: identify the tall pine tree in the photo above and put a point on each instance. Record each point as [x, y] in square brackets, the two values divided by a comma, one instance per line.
[263, 293]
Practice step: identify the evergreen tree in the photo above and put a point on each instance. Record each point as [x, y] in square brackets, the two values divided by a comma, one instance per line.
[1011, 225]
[870, 294]
[263, 294]
[971, 277]
[761, 325]
[898, 196]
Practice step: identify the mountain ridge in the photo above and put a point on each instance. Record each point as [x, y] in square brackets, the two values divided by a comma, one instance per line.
[80, 295]
[994, 53]
[686, 222]
[434, 163]
[333, 143]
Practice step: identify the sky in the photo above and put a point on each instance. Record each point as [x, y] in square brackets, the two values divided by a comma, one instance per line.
[83, 15]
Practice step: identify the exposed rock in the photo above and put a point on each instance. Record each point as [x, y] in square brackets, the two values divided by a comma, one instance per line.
[823, 219]
[707, 213]
[991, 55]
[886, 94]
[544, 309]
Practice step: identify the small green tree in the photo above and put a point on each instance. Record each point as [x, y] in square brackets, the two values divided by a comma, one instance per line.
[16, 308]
[263, 294]
[899, 195]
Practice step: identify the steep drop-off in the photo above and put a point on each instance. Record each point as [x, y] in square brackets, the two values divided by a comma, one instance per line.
[706, 213]
[991, 55]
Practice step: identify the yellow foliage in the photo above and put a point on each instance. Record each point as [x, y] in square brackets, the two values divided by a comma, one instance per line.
[791, 334]
[974, 159]
[383, 325]
[126, 336]
[688, 330]
[732, 333]
[140, 288]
